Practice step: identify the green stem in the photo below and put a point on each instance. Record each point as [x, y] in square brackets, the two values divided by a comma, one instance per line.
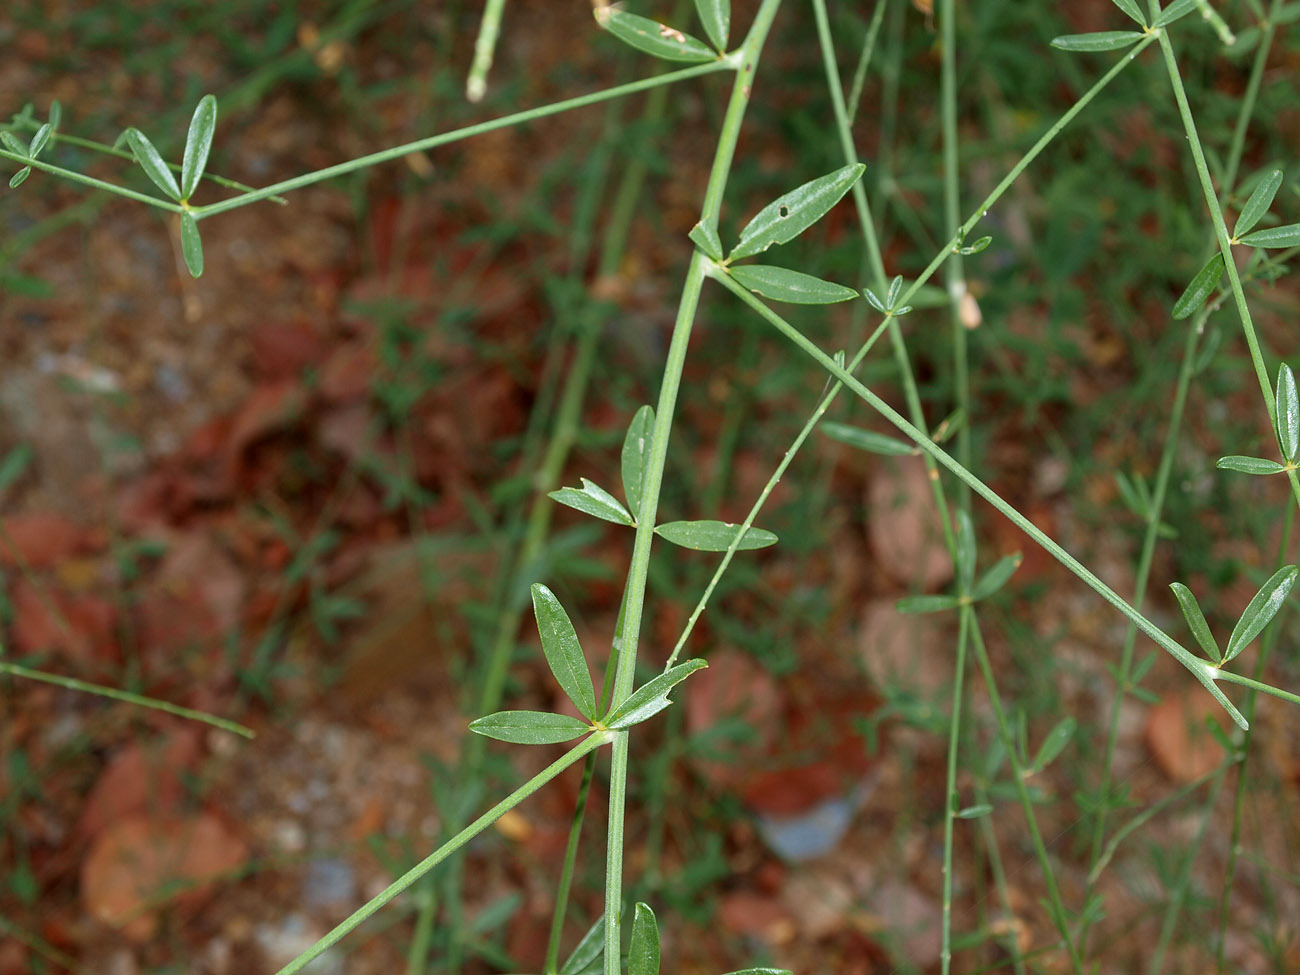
[484, 48]
[950, 803]
[99, 184]
[72, 684]
[579, 751]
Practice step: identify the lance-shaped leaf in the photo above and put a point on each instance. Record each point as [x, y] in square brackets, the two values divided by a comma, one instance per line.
[653, 37]
[12, 142]
[981, 243]
[996, 577]
[586, 955]
[706, 238]
[1288, 414]
[1131, 9]
[191, 244]
[868, 440]
[713, 536]
[40, 140]
[636, 452]
[1288, 236]
[1261, 610]
[965, 559]
[788, 216]
[1258, 204]
[715, 15]
[1202, 286]
[198, 142]
[643, 952]
[927, 604]
[1053, 744]
[651, 697]
[1196, 621]
[782, 284]
[152, 163]
[974, 812]
[763, 971]
[1106, 40]
[563, 651]
[1249, 465]
[594, 500]
[1175, 11]
[529, 727]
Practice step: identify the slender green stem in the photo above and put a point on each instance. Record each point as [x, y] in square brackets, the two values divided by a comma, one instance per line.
[484, 48]
[72, 684]
[442, 139]
[98, 184]
[579, 751]
[950, 797]
[864, 58]
[1199, 669]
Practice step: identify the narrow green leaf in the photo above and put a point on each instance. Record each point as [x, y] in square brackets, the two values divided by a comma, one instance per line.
[927, 604]
[563, 651]
[191, 244]
[1288, 414]
[974, 812]
[588, 951]
[56, 114]
[1261, 610]
[643, 952]
[980, 244]
[651, 697]
[705, 237]
[653, 37]
[715, 15]
[198, 142]
[1202, 286]
[18, 178]
[1129, 494]
[529, 727]
[1054, 743]
[1196, 622]
[1106, 40]
[152, 163]
[12, 143]
[713, 536]
[593, 500]
[875, 302]
[1175, 11]
[40, 140]
[1288, 236]
[763, 971]
[1249, 465]
[636, 451]
[789, 215]
[868, 440]
[1259, 202]
[996, 577]
[14, 465]
[782, 284]
[965, 555]
[1131, 9]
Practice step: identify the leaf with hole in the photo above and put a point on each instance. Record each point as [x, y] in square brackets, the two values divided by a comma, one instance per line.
[1258, 204]
[1054, 744]
[529, 727]
[586, 954]
[1196, 622]
[1131, 9]
[1202, 286]
[795, 287]
[643, 952]
[1175, 11]
[868, 440]
[652, 37]
[715, 15]
[1288, 414]
[1249, 465]
[996, 577]
[563, 651]
[592, 499]
[713, 536]
[705, 237]
[927, 604]
[191, 244]
[198, 143]
[1106, 40]
[789, 215]
[152, 163]
[651, 697]
[1288, 236]
[1261, 610]
[636, 451]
